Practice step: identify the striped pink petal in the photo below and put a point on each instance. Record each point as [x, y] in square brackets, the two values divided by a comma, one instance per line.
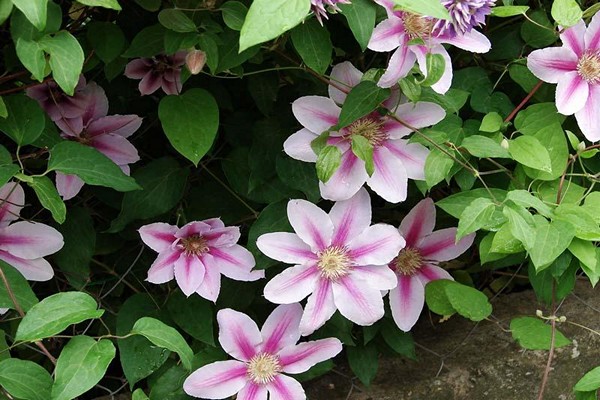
[588, 118]
[68, 185]
[418, 223]
[300, 358]
[573, 38]
[30, 240]
[158, 236]
[440, 245]
[380, 277]
[401, 62]
[357, 301]
[572, 93]
[285, 247]
[37, 269]
[429, 272]
[281, 328]
[345, 76]
[319, 308]
[189, 273]
[413, 156]
[417, 115]
[211, 283]
[218, 380]
[592, 34]
[389, 179]
[347, 180]
[316, 113]
[298, 147]
[376, 245]
[407, 301]
[235, 262]
[388, 35]
[252, 391]
[238, 334]
[311, 223]
[552, 63]
[350, 217]
[12, 200]
[292, 285]
[163, 268]
[285, 388]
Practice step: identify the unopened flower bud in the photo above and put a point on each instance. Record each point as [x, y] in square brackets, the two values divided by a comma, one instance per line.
[504, 144]
[581, 147]
[539, 313]
[195, 60]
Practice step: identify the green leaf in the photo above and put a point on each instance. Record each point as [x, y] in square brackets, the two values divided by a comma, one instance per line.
[6, 7]
[267, 19]
[80, 243]
[150, 5]
[49, 197]
[521, 224]
[194, 315]
[163, 183]
[176, 20]
[234, 14]
[436, 297]
[508, 11]
[164, 336]
[147, 43]
[585, 225]
[467, 301]
[3, 110]
[590, 381]
[93, 167]
[4, 350]
[504, 242]
[477, 215]
[535, 35]
[66, 59]
[458, 202]
[229, 54]
[298, 175]
[20, 288]
[139, 357]
[31, 54]
[7, 171]
[551, 239]
[139, 395]
[527, 150]
[66, 308]
[169, 384]
[361, 20]
[553, 138]
[526, 199]
[533, 334]
[190, 121]
[35, 11]
[311, 40]
[566, 13]
[492, 122]
[362, 100]
[273, 218]
[107, 39]
[401, 342]
[481, 146]
[435, 66]
[112, 4]
[25, 379]
[592, 205]
[81, 365]
[585, 252]
[363, 149]
[328, 161]
[410, 88]
[25, 121]
[430, 8]
[437, 167]
[364, 362]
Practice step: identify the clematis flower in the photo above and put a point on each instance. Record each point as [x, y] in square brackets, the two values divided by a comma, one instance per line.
[320, 10]
[339, 259]
[417, 263]
[464, 16]
[575, 68]
[107, 134]
[23, 244]
[413, 36]
[161, 71]
[60, 106]
[395, 160]
[262, 358]
[197, 254]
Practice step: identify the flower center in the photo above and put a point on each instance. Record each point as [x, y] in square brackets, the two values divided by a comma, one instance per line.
[194, 244]
[589, 67]
[407, 262]
[263, 368]
[417, 26]
[369, 128]
[333, 262]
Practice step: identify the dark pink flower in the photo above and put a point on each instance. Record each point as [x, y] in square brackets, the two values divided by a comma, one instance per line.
[161, 71]
[197, 254]
[23, 244]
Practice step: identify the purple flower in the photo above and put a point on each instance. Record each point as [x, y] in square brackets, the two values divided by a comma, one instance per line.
[340, 261]
[261, 358]
[575, 68]
[417, 263]
[464, 16]
[395, 159]
[197, 254]
[403, 30]
[107, 134]
[161, 71]
[24, 244]
[60, 106]
[320, 10]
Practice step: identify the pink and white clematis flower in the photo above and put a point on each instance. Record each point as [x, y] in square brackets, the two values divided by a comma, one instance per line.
[262, 358]
[23, 244]
[107, 134]
[395, 159]
[575, 68]
[319, 7]
[403, 31]
[197, 254]
[417, 263]
[340, 261]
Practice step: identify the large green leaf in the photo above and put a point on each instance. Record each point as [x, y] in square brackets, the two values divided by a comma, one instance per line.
[176, 20]
[49, 197]
[362, 99]
[36, 11]
[90, 165]
[311, 40]
[267, 19]
[107, 39]
[66, 308]
[31, 54]
[551, 239]
[164, 336]
[25, 379]
[163, 183]
[113, 4]
[25, 121]
[590, 381]
[430, 8]
[190, 121]
[66, 59]
[361, 19]
[363, 362]
[81, 365]
[194, 315]
[234, 14]
[20, 288]
[533, 334]
[566, 12]
[529, 151]
[475, 216]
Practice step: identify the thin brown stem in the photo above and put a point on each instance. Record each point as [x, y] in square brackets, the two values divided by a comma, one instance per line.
[522, 103]
[552, 346]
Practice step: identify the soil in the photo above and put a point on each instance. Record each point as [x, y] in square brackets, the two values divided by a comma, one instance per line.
[461, 360]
